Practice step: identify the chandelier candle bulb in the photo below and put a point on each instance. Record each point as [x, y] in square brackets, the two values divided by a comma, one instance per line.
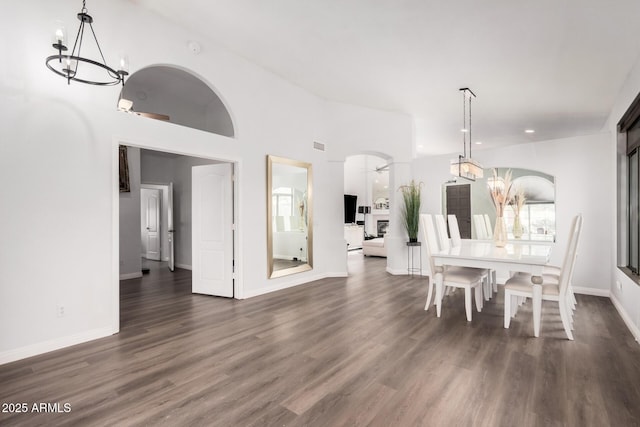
[59, 38]
[124, 64]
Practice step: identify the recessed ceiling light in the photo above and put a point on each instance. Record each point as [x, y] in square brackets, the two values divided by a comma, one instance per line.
[464, 130]
[478, 142]
[529, 131]
[420, 146]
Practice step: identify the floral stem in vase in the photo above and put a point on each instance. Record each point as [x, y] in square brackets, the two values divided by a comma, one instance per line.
[517, 227]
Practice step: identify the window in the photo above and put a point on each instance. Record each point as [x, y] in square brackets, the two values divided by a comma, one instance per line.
[538, 221]
[629, 128]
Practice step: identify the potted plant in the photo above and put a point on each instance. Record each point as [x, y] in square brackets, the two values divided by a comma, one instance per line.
[411, 208]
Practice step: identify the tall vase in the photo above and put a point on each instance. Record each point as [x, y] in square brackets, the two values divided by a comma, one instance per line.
[500, 233]
[517, 227]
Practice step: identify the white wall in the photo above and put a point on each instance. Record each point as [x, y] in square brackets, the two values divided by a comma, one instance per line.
[63, 139]
[130, 244]
[584, 178]
[625, 293]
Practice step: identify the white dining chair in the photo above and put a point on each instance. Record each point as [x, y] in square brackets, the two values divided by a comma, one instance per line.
[457, 277]
[489, 234]
[480, 227]
[488, 227]
[454, 230]
[553, 289]
[554, 271]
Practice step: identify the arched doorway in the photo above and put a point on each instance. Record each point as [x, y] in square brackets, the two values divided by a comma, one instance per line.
[174, 95]
[367, 195]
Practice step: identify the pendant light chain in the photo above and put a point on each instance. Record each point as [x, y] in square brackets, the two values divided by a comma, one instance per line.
[464, 124]
[470, 140]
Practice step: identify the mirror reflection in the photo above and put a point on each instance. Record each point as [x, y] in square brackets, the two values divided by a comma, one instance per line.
[471, 203]
[289, 216]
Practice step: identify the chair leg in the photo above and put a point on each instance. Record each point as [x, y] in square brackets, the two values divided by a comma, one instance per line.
[507, 310]
[494, 280]
[467, 302]
[429, 294]
[537, 309]
[478, 295]
[486, 284]
[515, 304]
[565, 319]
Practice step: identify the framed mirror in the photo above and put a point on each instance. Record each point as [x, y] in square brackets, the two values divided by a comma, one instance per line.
[467, 199]
[289, 216]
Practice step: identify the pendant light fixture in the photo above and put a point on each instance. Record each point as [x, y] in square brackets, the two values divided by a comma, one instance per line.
[75, 67]
[463, 166]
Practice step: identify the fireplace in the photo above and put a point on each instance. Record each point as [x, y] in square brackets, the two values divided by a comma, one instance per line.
[381, 226]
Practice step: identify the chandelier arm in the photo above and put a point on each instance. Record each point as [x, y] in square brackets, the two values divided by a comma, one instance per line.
[88, 61]
[78, 37]
[116, 75]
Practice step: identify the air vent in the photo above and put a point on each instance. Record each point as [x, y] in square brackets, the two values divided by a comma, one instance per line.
[318, 145]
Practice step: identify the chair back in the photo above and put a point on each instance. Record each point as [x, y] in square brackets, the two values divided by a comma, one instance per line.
[568, 263]
[488, 227]
[430, 239]
[443, 237]
[454, 231]
[480, 226]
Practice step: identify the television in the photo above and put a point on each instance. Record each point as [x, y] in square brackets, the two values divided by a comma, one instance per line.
[350, 203]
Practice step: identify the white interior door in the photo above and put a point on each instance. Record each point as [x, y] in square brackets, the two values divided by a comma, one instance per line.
[150, 230]
[170, 232]
[212, 235]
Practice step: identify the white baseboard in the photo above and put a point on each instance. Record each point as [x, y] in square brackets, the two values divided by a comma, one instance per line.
[288, 284]
[340, 274]
[55, 344]
[592, 291]
[625, 317]
[128, 276]
[184, 266]
[404, 272]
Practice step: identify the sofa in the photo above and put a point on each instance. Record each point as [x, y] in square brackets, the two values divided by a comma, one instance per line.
[374, 247]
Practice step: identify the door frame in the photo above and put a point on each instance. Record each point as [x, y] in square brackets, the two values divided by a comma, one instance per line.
[238, 285]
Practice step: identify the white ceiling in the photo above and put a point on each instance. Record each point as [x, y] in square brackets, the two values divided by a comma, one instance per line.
[552, 65]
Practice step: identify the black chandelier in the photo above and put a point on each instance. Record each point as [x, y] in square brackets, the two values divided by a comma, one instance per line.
[68, 66]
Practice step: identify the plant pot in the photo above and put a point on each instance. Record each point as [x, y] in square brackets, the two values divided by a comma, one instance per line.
[413, 239]
[500, 233]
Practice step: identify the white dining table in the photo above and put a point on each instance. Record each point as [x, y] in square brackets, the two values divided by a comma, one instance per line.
[527, 257]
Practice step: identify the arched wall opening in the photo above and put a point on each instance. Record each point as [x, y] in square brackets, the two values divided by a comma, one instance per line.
[367, 187]
[177, 96]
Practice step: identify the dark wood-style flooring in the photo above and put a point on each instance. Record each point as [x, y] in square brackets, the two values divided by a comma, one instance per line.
[344, 351]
